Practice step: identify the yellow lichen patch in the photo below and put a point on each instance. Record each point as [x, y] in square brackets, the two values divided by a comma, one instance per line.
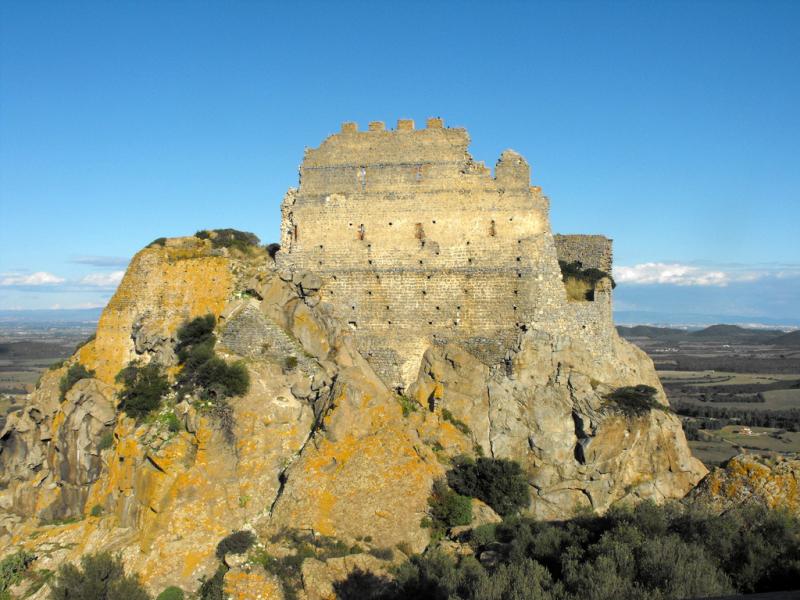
[252, 584]
[169, 285]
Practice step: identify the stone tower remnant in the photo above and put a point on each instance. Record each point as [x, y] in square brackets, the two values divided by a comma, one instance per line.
[418, 244]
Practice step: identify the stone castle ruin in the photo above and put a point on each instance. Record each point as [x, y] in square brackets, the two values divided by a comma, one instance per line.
[417, 243]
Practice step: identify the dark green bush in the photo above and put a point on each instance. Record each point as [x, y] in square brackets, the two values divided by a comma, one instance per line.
[96, 511]
[143, 388]
[158, 242]
[13, 567]
[636, 400]
[499, 483]
[212, 589]
[101, 577]
[197, 331]
[203, 370]
[74, 374]
[238, 542]
[171, 593]
[230, 238]
[448, 508]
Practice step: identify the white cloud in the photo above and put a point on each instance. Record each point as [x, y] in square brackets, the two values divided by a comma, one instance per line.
[103, 279]
[676, 274]
[32, 279]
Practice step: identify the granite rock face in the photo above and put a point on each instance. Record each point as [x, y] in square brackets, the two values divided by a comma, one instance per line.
[750, 479]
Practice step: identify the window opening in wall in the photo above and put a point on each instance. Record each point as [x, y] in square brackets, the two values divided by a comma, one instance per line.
[469, 260]
[514, 307]
[334, 277]
[430, 322]
[519, 274]
[467, 242]
[320, 262]
[492, 229]
[389, 322]
[361, 231]
[369, 292]
[519, 258]
[458, 307]
[390, 223]
[387, 308]
[429, 276]
[424, 292]
[420, 262]
[510, 218]
[294, 233]
[434, 222]
[437, 308]
[519, 241]
[352, 324]
[321, 246]
[516, 292]
[353, 307]
[419, 232]
[370, 261]
[362, 177]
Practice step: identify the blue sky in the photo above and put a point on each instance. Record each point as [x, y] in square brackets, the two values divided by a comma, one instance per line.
[672, 127]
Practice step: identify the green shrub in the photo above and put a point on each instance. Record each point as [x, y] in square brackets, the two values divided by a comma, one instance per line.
[212, 589]
[448, 508]
[230, 238]
[57, 365]
[13, 567]
[100, 577]
[106, 441]
[238, 542]
[290, 363]
[499, 483]
[96, 511]
[408, 405]
[158, 242]
[173, 423]
[74, 374]
[460, 425]
[197, 331]
[382, 553]
[203, 370]
[171, 593]
[143, 388]
[635, 401]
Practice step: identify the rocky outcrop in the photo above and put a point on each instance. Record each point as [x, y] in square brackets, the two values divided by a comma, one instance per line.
[546, 407]
[749, 479]
[318, 444]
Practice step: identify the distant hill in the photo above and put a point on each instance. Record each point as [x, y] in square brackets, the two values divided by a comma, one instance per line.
[790, 340]
[726, 333]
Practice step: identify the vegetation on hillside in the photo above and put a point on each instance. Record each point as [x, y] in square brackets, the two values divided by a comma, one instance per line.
[243, 241]
[74, 374]
[644, 553]
[100, 577]
[499, 483]
[634, 401]
[143, 387]
[203, 371]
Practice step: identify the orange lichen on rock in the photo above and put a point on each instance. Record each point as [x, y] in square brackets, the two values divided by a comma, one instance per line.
[164, 286]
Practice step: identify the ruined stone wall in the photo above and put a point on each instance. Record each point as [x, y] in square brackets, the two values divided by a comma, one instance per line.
[417, 244]
[594, 251]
